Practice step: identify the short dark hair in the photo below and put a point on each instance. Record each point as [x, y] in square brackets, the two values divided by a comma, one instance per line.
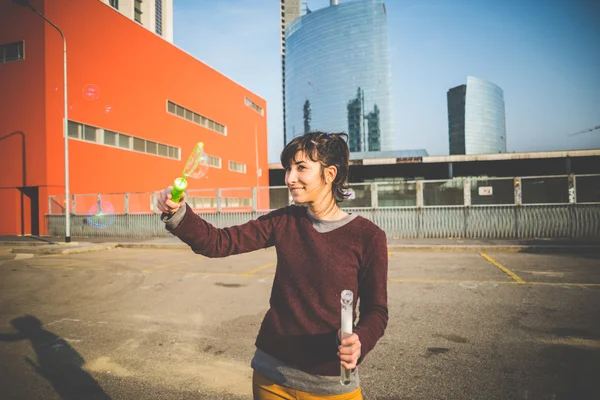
[329, 149]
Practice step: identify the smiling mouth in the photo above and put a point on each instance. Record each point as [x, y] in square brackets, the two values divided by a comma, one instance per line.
[296, 190]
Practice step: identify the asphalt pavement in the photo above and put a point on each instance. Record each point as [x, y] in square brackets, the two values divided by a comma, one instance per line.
[129, 323]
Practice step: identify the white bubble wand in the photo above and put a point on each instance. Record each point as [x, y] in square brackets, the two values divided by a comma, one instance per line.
[347, 299]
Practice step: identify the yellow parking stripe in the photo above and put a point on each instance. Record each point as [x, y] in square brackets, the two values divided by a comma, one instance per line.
[572, 341]
[503, 268]
[493, 282]
[447, 281]
[564, 284]
[164, 266]
[202, 273]
[119, 257]
[258, 269]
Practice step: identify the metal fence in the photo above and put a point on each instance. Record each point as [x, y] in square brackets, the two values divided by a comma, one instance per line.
[522, 207]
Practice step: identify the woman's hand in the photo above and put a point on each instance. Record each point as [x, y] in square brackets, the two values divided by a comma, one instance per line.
[165, 204]
[349, 351]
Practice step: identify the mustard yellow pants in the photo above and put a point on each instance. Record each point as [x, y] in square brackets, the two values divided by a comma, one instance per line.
[264, 389]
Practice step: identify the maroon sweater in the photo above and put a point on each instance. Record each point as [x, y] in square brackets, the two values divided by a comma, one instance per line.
[313, 268]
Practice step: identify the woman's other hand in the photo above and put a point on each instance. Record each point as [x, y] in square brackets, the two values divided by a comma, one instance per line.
[349, 351]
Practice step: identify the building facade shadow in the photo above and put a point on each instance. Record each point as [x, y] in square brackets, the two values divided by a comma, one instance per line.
[57, 361]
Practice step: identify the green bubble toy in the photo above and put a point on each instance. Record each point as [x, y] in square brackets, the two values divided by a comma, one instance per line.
[195, 167]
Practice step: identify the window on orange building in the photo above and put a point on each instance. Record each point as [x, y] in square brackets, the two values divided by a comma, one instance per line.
[171, 107]
[201, 202]
[139, 144]
[195, 118]
[151, 147]
[110, 138]
[173, 152]
[163, 150]
[73, 130]
[114, 4]
[213, 161]
[124, 141]
[12, 52]
[235, 202]
[89, 133]
[253, 105]
[94, 134]
[237, 167]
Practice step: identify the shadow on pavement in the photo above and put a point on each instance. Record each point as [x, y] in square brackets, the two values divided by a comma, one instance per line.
[57, 361]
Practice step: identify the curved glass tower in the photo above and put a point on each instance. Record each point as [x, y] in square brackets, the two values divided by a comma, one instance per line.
[476, 121]
[338, 75]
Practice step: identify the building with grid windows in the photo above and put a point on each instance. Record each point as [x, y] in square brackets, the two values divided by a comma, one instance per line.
[337, 66]
[290, 11]
[154, 15]
[476, 120]
[135, 112]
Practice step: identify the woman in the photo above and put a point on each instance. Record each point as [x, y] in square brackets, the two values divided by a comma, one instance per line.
[321, 250]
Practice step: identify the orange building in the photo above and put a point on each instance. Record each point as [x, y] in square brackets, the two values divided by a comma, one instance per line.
[137, 105]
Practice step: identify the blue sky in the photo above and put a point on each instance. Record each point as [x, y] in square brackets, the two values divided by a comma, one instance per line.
[544, 54]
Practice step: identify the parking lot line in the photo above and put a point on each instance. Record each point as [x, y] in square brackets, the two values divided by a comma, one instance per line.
[503, 268]
[202, 273]
[167, 265]
[451, 281]
[259, 269]
[582, 285]
[573, 341]
[118, 257]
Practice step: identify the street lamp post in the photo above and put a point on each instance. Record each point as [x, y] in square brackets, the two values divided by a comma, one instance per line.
[65, 121]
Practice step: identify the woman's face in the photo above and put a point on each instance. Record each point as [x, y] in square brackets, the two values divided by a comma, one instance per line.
[305, 180]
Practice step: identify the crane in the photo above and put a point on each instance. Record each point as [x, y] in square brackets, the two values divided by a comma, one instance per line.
[585, 130]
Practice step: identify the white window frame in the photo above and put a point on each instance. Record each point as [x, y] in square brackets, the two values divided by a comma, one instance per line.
[214, 158]
[100, 136]
[205, 122]
[235, 163]
[257, 109]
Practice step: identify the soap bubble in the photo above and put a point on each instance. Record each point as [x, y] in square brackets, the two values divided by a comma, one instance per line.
[197, 164]
[199, 170]
[91, 92]
[101, 215]
[107, 109]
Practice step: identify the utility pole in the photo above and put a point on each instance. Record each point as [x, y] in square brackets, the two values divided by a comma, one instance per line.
[25, 3]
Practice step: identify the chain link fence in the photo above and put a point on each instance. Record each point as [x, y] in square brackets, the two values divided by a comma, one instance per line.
[504, 208]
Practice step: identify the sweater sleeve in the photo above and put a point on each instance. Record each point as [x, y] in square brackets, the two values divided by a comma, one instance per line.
[205, 239]
[372, 291]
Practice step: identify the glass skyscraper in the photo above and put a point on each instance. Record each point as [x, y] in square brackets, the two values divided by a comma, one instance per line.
[476, 120]
[338, 75]
[290, 11]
